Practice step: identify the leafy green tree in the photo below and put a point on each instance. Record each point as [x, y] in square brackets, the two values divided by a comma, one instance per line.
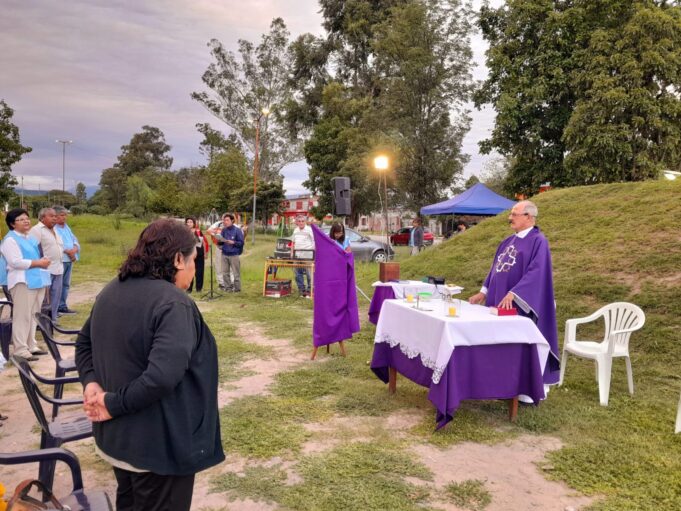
[61, 198]
[423, 59]
[243, 87]
[626, 124]
[269, 198]
[228, 173]
[81, 194]
[11, 150]
[112, 188]
[214, 141]
[395, 76]
[166, 196]
[338, 146]
[139, 196]
[145, 149]
[584, 91]
[530, 60]
[494, 175]
[471, 181]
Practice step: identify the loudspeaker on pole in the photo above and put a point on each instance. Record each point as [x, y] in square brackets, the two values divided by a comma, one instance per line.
[342, 196]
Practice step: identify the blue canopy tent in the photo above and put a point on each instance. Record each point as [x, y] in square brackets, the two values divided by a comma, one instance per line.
[477, 200]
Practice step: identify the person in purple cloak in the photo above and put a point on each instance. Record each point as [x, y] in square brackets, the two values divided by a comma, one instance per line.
[521, 277]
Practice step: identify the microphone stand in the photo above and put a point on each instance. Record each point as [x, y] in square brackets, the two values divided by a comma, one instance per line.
[210, 295]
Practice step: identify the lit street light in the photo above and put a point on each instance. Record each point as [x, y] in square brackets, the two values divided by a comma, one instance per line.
[381, 163]
[63, 162]
[256, 162]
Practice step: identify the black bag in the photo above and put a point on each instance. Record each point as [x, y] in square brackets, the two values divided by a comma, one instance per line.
[438, 281]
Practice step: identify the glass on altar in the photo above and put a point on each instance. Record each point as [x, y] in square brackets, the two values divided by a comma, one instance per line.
[410, 294]
[451, 306]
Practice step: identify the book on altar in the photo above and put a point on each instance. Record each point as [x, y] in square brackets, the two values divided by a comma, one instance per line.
[503, 312]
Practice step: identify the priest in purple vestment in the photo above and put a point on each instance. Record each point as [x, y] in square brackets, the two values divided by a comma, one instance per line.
[521, 277]
[336, 315]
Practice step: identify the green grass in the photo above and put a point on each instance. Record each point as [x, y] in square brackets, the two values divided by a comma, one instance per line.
[470, 494]
[617, 242]
[263, 427]
[359, 475]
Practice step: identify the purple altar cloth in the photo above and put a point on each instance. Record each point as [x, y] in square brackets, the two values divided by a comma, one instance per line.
[501, 371]
[381, 293]
[336, 313]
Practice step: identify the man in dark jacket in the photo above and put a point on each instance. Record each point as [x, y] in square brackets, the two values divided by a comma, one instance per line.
[416, 237]
[232, 247]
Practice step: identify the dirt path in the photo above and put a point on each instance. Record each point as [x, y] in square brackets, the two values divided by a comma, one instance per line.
[509, 469]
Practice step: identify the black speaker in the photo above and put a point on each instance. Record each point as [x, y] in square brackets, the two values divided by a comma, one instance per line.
[342, 196]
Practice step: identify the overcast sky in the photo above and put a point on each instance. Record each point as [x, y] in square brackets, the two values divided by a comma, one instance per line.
[96, 71]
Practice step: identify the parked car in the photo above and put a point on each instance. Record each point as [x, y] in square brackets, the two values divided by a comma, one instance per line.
[401, 237]
[363, 248]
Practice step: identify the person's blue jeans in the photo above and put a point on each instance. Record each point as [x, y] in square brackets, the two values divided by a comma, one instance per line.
[301, 273]
[65, 285]
[55, 295]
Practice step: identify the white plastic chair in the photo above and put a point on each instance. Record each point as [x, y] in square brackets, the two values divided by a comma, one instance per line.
[677, 429]
[621, 319]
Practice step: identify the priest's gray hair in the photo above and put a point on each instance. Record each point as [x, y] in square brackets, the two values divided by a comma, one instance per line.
[59, 209]
[530, 208]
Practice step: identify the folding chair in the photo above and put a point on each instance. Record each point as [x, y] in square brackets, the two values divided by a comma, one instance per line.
[78, 499]
[59, 430]
[64, 365]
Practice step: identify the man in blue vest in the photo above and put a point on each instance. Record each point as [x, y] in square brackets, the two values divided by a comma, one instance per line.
[71, 255]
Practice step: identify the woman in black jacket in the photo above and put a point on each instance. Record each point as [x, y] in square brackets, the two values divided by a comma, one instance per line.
[148, 366]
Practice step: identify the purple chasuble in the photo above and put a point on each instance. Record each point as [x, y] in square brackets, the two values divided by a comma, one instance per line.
[523, 266]
[336, 316]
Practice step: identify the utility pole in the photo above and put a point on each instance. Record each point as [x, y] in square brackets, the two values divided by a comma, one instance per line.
[63, 161]
[256, 164]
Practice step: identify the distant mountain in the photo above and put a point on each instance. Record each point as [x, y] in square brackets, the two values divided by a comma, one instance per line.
[89, 191]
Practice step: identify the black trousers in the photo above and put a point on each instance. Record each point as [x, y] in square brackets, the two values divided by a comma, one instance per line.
[200, 264]
[146, 491]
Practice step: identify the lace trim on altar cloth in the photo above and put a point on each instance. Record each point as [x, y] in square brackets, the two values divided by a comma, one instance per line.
[413, 353]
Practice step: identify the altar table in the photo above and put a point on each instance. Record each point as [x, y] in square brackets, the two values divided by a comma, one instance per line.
[474, 356]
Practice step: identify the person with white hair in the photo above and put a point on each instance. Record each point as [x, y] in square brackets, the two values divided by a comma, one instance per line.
[52, 247]
[303, 239]
[521, 277]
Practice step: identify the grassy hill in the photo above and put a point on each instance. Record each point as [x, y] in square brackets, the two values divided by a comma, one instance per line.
[618, 242]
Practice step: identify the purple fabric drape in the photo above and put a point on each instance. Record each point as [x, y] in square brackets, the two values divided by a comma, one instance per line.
[336, 315]
[523, 265]
[491, 371]
[381, 293]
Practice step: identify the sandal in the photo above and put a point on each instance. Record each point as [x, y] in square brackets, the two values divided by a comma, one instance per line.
[3, 417]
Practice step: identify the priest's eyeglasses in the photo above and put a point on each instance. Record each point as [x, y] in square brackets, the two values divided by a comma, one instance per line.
[519, 214]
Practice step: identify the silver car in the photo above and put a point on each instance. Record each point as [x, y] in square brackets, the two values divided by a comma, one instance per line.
[363, 248]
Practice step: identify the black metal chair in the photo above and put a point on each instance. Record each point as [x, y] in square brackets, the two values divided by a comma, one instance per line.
[60, 429]
[5, 327]
[78, 499]
[63, 365]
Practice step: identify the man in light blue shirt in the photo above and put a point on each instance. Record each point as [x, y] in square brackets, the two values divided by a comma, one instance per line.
[71, 255]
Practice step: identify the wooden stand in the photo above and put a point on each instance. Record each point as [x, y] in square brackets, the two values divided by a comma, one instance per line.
[341, 344]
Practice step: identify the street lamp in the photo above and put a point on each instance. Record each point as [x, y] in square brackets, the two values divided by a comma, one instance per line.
[381, 163]
[256, 162]
[63, 161]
